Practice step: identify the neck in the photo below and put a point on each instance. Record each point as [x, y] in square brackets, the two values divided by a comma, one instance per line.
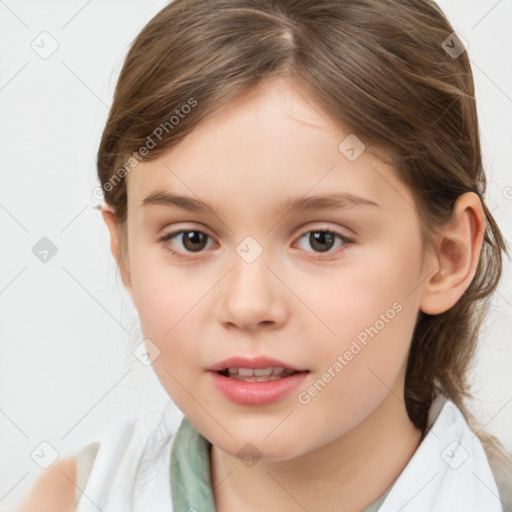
[347, 474]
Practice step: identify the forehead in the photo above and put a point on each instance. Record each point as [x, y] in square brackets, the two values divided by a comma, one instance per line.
[270, 143]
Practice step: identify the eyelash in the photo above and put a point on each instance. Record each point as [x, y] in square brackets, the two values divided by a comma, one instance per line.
[165, 239]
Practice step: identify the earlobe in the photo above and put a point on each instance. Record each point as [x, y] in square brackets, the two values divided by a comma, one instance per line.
[456, 257]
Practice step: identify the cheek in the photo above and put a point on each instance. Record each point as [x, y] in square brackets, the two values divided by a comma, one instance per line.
[166, 299]
[368, 292]
[372, 310]
[355, 372]
[167, 309]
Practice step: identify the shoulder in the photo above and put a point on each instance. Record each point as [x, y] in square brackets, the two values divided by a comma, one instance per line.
[129, 456]
[54, 490]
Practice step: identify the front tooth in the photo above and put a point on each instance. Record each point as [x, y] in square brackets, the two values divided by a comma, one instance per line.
[262, 371]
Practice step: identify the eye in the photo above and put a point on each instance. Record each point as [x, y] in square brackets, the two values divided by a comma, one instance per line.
[323, 240]
[188, 241]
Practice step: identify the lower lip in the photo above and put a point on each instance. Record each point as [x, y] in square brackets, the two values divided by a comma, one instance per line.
[256, 393]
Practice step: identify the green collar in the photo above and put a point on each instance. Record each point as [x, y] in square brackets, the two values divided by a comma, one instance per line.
[190, 471]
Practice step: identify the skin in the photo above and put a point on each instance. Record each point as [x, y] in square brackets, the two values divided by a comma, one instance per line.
[294, 302]
[54, 491]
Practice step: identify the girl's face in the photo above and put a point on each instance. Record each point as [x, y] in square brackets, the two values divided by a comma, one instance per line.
[332, 287]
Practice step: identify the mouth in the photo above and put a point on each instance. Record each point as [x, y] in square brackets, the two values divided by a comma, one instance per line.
[256, 369]
[259, 374]
[256, 386]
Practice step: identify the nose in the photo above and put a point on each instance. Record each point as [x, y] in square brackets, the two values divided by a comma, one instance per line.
[252, 297]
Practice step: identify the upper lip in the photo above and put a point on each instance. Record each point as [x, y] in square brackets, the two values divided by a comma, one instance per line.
[256, 362]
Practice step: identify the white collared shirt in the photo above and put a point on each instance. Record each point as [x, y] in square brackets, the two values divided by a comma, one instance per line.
[449, 471]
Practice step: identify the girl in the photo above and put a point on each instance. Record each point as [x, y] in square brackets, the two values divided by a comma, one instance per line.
[295, 197]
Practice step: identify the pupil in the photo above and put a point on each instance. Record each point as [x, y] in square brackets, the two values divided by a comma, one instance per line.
[318, 238]
[194, 240]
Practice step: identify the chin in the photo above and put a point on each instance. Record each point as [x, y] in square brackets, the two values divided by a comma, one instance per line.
[254, 449]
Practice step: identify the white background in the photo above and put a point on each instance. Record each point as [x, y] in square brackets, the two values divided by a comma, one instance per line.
[66, 326]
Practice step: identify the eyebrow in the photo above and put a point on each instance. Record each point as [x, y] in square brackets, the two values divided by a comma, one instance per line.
[310, 203]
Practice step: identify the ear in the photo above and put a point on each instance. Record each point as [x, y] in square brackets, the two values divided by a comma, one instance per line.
[112, 223]
[456, 256]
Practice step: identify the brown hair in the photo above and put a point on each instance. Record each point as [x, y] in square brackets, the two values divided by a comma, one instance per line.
[378, 67]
